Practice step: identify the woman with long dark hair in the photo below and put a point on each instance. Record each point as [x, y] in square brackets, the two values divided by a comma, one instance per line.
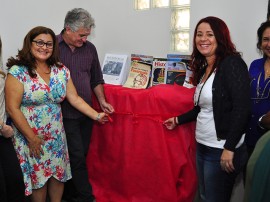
[221, 109]
[260, 88]
[36, 85]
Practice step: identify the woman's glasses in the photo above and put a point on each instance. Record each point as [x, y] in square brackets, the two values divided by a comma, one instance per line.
[41, 43]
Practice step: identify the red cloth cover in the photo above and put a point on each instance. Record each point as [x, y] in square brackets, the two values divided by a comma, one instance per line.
[135, 158]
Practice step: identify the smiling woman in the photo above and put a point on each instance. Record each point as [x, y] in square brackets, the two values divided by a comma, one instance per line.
[221, 109]
[36, 85]
[33, 99]
[259, 72]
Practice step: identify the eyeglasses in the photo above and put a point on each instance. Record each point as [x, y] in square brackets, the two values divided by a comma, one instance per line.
[41, 43]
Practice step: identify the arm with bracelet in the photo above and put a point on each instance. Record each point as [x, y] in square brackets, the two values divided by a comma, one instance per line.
[77, 102]
[189, 116]
[264, 121]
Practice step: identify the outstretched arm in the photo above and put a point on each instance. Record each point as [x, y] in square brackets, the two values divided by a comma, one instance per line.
[76, 101]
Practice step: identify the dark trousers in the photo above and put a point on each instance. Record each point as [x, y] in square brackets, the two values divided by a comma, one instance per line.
[216, 185]
[78, 132]
[11, 178]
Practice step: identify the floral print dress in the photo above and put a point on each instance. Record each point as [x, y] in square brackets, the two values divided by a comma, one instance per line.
[41, 108]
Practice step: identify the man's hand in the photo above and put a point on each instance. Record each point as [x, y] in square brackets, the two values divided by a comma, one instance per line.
[106, 107]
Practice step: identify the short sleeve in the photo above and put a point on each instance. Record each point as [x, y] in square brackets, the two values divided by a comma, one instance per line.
[67, 72]
[18, 72]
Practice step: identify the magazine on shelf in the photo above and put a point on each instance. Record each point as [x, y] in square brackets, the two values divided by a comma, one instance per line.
[114, 69]
[148, 59]
[138, 76]
[175, 76]
[178, 70]
[158, 71]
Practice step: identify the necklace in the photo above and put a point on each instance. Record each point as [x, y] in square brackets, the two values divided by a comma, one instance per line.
[260, 96]
[198, 100]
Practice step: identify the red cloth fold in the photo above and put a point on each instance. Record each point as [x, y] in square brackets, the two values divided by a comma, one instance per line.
[135, 158]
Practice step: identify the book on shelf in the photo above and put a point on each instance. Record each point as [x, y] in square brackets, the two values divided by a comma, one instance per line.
[114, 69]
[178, 70]
[139, 75]
[158, 71]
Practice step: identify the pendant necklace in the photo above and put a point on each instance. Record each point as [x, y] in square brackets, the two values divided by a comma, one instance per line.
[198, 100]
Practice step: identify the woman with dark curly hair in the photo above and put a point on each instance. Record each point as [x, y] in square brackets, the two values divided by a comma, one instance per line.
[36, 85]
[259, 72]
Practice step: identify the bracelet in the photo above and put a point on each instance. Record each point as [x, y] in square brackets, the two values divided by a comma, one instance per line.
[259, 122]
[98, 117]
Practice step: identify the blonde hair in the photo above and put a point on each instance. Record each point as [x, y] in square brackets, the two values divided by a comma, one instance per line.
[1, 72]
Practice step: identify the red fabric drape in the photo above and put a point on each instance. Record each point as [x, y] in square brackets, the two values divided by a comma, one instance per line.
[135, 158]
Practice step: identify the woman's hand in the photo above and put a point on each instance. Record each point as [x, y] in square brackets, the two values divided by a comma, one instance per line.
[170, 123]
[226, 161]
[7, 131]
[35, 147]
[103, 118]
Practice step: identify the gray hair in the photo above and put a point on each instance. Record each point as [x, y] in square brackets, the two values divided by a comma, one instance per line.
[77, 18]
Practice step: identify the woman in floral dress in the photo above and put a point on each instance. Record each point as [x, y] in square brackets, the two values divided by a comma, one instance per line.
[36, 85]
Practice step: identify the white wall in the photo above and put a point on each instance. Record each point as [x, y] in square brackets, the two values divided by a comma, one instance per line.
[243, 18]
[120, 29]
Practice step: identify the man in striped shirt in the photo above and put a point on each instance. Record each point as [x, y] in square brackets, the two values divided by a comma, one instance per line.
[81, 57]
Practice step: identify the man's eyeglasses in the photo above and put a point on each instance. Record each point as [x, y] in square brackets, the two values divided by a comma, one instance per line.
[41, 43]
